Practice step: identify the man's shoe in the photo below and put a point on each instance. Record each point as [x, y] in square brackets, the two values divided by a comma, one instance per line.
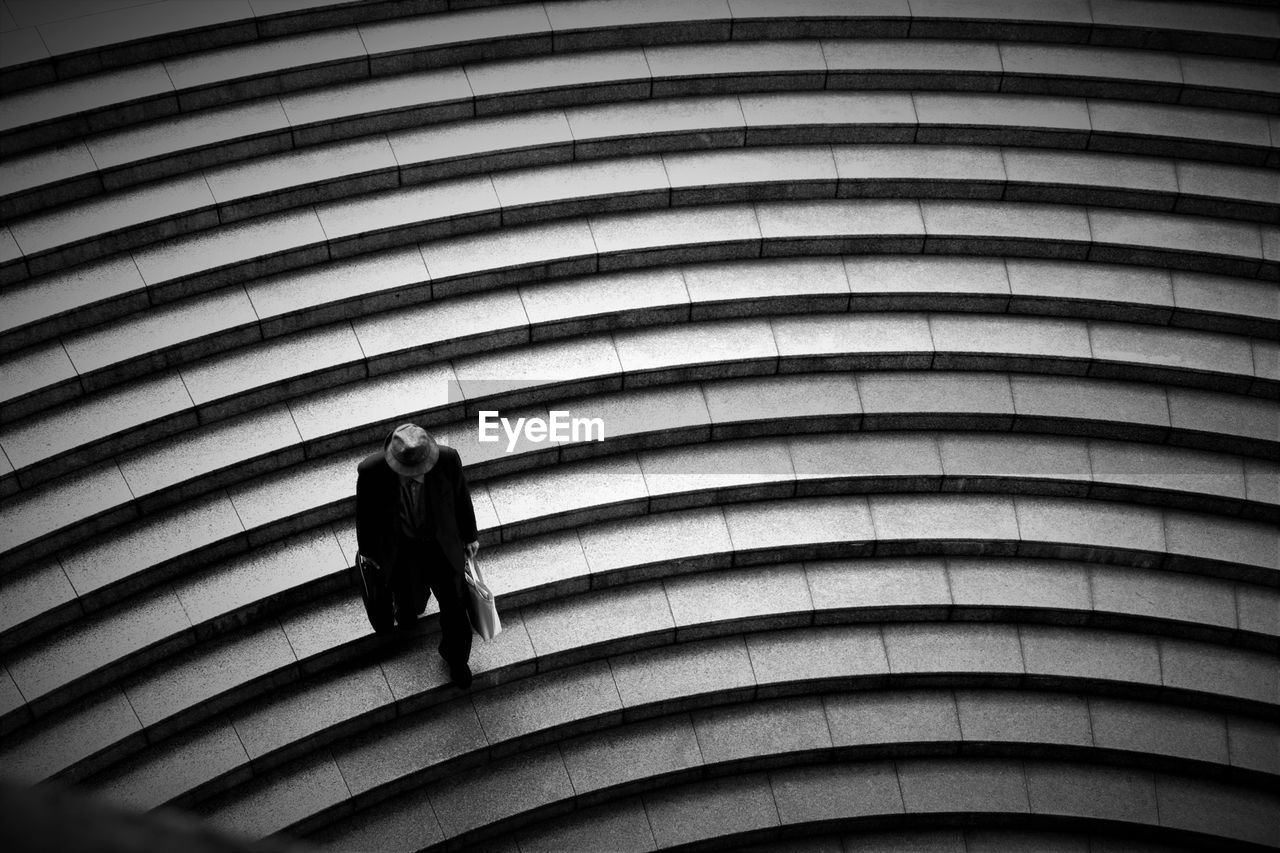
[460, 674]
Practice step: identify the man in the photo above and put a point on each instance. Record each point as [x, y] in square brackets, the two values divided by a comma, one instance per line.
[413, 514]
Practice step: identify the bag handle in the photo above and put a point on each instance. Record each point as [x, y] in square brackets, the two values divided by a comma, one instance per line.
[473, 562]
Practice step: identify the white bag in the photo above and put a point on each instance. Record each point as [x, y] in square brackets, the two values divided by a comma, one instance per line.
[480, 604]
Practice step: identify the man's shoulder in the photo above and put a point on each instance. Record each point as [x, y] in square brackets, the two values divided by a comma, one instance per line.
[371, 463]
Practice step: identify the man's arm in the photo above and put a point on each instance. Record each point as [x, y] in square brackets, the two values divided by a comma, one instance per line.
[464, 511]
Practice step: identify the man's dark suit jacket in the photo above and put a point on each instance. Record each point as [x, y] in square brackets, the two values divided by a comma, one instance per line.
[378, 508]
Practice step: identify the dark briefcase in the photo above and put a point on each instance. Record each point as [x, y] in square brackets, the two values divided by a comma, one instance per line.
[375, 589]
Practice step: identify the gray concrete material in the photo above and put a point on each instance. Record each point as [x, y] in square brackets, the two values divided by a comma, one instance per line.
[533, 568]
[1023, 716]
[1257, 609]
[325, 632]
[1186, 733]
[939, 171]
[524, 254]
[862, 590]
[1002, 589]
[1123, 410]
[630, 755]
[909, 719]
[671, 678]
[401, 44]
[108, 30]
[1052, 653]
[300, 298]
[574, 700]
[1103, 793]
[288, 722]
[1200, 27]
[205, 260]
[960, 524]
[584, 627]
[1088, 70]
[1240, 674]
[1253, 744]
[899, 400]
[487, 379]
[193, 462]
[562, 80]
[410, 745]
[812, 403]
[1167, 130]
[42, 307]
[1240, 84]
[1073, 177]
[736, 67]
[275, 506]
[630, 420]
[105, 569]
[572, 494]
[1230, 812]
[958, 786]
[67, 739]
[985, 227]
[214, 598]
[836, 792]
[755, 19]
[1261, 481]
[861, 341]
[31, 595]
[626, 240]
[711, 350]
[978, 119]
[983, 462]
[167, 143]
[332, 420]
[580, 188]
[206, 675]
[41, 512]
[659, 124]
[1105, 291]
[183, 330]
[917, 651]
[811, 118]
[1028, 344]
[273, 803]
[840, 464]
[402, 824]
[983, 18]
[305, 176]
[801, 528]
[1066, 528]
[53, 175]
[839, 226]
[713, 809]
[382, 220]
[1196, 539]
[482, 144]
[301, 61]
[707, 177]
[925, 63]
[763, 598]
[925, 841]
[751, 469]
[79, 106]
[1232, 192]
[378, 104]
[33, 374]
[1193, 243]
[59, 667]
[906, 282]
[169, 772]
[418, 676]
[621, 824]
[437, 330]
[55, 440]
[796, 727]
[620, 551]
[1206, 480]
[594, 24]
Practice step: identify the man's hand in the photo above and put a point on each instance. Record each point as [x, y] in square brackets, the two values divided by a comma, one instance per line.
[472, 548]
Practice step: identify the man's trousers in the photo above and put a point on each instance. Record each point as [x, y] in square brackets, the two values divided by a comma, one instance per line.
[422, 566]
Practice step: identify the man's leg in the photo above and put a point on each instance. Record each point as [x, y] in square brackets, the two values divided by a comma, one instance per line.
[408, 583]
[455, 624]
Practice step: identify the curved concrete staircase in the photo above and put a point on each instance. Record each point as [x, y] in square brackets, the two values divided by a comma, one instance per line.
[937, 346]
